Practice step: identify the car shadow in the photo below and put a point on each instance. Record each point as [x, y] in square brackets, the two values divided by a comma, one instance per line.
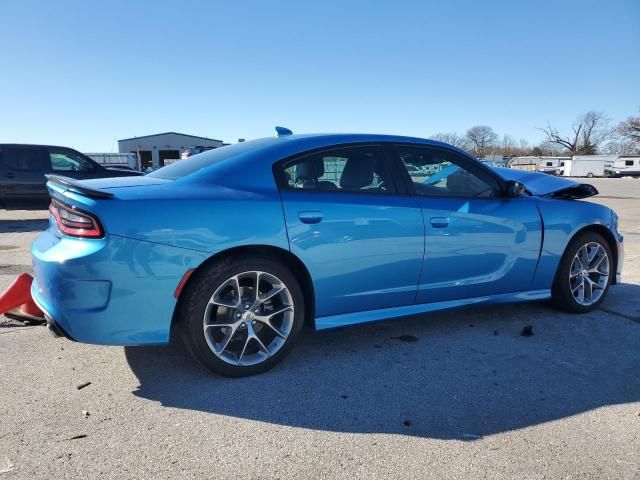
[461, 374]
[23, 225]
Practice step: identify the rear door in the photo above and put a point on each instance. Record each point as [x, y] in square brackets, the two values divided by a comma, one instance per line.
[477, 241]
[69, 163]
[22, 180]
[361, 239]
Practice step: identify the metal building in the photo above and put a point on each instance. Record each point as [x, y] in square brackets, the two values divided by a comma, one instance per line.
[153, 150]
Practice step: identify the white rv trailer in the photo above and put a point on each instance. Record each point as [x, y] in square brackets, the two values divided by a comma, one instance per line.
[528, 163]
[626, 166]
[587, 165]
[552, 165]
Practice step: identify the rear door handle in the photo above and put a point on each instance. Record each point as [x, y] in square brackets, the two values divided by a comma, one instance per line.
[310, 217]
[439, 222]
[10, 175]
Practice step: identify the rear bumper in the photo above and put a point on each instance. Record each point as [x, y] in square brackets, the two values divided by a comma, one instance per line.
[111, 291]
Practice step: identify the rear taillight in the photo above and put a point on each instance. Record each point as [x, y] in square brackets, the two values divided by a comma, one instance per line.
[74, 222]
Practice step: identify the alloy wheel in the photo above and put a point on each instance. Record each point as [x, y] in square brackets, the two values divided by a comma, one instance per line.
[248, 318]
[589, 273]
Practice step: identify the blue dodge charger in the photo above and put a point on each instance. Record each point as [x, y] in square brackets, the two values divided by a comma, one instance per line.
[235, 249]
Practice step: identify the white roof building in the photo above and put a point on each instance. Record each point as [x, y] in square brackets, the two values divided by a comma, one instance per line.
[154, 149]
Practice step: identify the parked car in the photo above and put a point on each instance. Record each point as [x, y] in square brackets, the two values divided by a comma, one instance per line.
[238, 248]
[189, 152]
[23, 169]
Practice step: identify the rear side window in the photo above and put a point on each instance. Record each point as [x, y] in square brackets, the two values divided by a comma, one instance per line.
[628, 163]
[24, 159]
[352, 169]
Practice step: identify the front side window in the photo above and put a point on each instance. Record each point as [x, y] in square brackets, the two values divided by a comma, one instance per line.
[24, 159]
[68, 161]
[440, 173]
[351, 169]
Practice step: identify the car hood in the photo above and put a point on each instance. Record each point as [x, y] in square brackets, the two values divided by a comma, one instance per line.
[542, 184]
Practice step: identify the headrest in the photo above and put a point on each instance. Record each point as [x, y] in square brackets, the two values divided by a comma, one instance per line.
[357, 173]
[310, 169]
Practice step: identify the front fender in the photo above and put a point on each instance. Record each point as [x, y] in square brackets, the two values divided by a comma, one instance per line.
[562, 219]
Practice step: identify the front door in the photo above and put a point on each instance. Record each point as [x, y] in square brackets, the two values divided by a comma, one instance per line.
[477, 241]
[362, 242]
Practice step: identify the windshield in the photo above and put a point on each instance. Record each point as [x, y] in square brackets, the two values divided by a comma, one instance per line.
[185, 167]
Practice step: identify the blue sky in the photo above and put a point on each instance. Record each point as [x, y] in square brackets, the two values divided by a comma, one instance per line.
[85, 73]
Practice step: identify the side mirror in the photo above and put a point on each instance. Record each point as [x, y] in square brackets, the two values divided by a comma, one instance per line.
[514, 189]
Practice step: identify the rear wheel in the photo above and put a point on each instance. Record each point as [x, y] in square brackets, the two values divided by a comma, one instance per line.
[584, 274]
[240, 317]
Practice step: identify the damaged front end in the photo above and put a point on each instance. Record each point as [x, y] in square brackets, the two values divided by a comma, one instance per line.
[544, 185]
[575, 192]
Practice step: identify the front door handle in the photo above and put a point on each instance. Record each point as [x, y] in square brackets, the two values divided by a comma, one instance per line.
[310, 217]
[439, 222]
[10, 175]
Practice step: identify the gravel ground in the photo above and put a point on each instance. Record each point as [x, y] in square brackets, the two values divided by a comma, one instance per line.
[459, 395]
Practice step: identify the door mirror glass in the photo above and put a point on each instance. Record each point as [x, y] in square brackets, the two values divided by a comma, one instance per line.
[514, 189]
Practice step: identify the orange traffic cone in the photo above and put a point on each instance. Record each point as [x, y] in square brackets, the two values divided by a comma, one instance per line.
[17, 299]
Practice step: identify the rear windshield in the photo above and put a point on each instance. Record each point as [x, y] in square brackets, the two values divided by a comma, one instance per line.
[182, 168]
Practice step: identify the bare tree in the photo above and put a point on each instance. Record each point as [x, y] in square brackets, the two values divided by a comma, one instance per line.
[451, 138]
[481, 138]
[621, 146]
[523, 144]
[508, 146]
[630, 129]
[588, 132]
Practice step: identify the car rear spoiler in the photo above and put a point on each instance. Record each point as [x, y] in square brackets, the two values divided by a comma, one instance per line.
[75, 186]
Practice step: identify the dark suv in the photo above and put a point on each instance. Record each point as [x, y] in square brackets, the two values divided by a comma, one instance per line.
[23, 167]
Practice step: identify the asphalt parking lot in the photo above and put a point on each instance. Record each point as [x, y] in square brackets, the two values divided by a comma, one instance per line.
[456, 394]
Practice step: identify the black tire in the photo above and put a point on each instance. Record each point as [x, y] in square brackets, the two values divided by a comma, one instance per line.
[561, 295]
[200, 288]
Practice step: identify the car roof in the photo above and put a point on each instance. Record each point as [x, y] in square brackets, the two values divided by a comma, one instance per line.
[299, 143]
[308, 141]
[357, 137]
[33, 145]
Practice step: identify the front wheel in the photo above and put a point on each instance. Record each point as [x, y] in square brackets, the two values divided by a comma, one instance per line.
[240, 317]
[584, 274]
